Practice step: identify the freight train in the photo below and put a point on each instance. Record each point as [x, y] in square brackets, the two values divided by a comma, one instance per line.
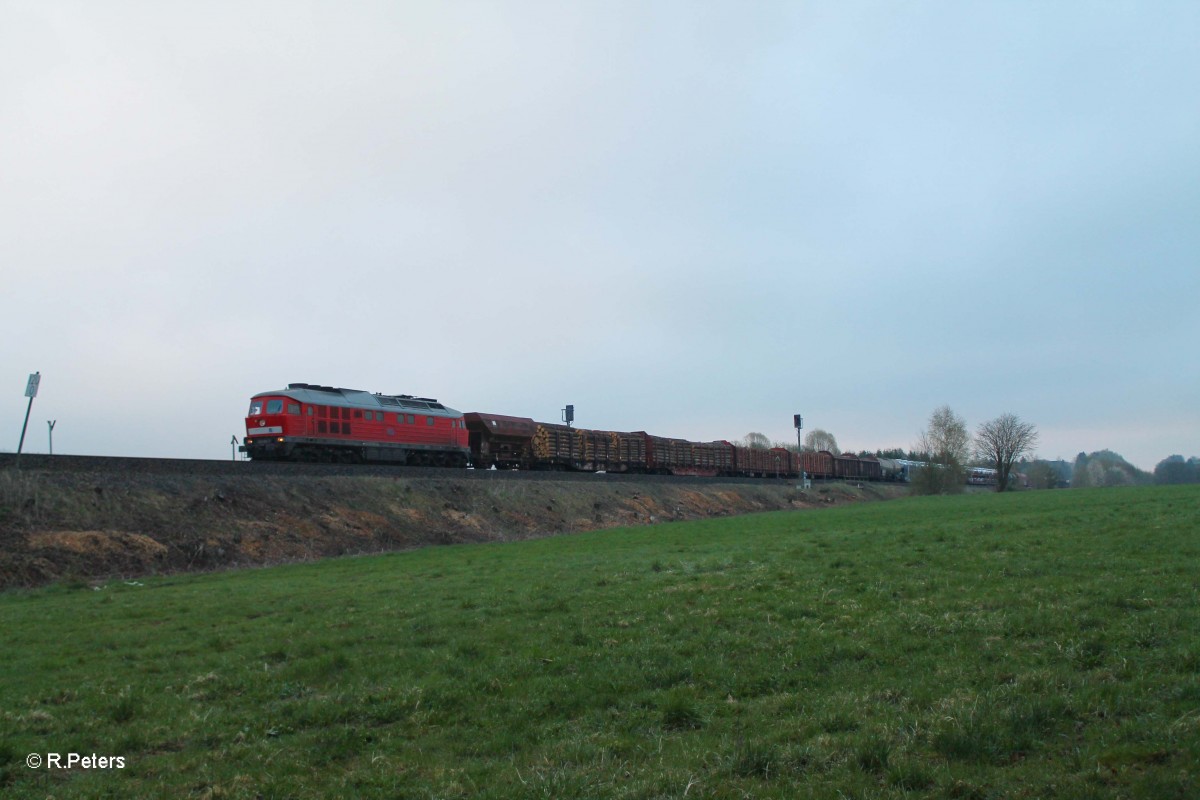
[308, 422]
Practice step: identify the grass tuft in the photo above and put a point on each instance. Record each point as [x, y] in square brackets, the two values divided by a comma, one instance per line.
[680, 712]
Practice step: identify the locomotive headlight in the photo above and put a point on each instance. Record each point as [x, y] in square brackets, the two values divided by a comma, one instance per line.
[280, 440]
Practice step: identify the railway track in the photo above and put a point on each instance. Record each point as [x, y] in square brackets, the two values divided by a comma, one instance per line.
[220, 468]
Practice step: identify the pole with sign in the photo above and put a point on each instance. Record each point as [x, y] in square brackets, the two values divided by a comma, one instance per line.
[30, 392]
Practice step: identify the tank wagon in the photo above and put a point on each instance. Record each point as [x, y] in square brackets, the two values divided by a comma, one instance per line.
[892, 470]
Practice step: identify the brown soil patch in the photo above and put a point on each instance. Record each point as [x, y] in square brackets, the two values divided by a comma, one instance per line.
[92, 526]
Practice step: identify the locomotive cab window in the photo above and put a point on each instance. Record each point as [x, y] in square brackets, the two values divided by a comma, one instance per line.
[293, 408]
[274, 406]
[256, 407]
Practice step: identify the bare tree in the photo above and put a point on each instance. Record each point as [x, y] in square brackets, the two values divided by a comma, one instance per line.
[817, 439]
[1043, 475]
[1002, 441]
[948, 445]
[756, 441]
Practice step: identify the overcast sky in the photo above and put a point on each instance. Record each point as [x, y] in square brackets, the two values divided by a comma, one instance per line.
[691, 218]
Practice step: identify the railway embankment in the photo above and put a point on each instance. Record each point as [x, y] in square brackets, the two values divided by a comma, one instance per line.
[84, 525]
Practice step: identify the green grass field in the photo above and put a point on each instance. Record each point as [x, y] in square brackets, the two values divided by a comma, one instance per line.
[1040, 645]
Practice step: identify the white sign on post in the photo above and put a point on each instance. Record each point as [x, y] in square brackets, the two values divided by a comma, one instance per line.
[32, 387]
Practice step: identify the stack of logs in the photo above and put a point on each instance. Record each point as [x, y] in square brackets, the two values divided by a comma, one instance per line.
[555, 442]
[586, 449]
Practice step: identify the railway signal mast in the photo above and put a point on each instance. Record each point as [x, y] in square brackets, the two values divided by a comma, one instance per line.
[798, 421]
[31, 390]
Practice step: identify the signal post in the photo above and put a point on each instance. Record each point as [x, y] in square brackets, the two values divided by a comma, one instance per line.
[31, 390]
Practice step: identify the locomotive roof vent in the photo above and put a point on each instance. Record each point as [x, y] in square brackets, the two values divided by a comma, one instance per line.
[314, 387]
[402, 400]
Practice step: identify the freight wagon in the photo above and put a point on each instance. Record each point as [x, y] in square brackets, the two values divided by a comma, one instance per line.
[756, 462]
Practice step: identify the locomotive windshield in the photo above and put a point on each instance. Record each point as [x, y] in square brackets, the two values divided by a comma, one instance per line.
[272, 407]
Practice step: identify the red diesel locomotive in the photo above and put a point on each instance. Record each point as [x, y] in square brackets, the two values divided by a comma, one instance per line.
[305, 422]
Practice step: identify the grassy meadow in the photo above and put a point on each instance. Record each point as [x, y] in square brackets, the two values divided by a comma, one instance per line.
[1039, 645]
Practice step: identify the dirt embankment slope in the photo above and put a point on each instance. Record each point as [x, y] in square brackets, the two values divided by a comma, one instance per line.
[56, 526]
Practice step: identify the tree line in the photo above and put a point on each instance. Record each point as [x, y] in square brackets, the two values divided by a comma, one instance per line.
[1005, 444]
[1176, 469]
[945, 445]
[997, 444]
[1105, 468]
